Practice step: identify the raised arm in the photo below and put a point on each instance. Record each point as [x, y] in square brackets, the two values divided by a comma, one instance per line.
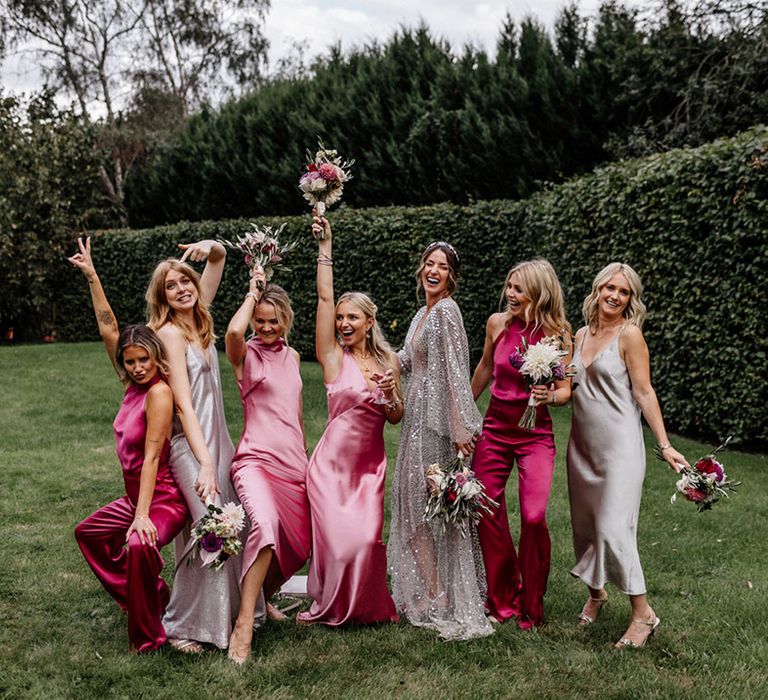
[238, 326]
[159, 412]
[484, 370]
[176, 348]
[326, 347]
[215, 256]
[637, 359]
[104, 316]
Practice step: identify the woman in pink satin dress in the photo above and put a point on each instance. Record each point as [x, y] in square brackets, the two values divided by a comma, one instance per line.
[269, 470]
[345, 479]
[121, 541]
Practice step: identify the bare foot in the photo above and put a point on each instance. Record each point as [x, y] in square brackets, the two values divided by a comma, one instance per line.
[240, 644]
[639, 630]
[274, 613]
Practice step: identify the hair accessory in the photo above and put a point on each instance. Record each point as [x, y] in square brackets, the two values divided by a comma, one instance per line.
[441, 244]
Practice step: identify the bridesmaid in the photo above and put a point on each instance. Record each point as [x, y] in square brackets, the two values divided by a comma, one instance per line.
[204, 602]
[606, 454]
[535, 309]
[345, 479]
[269, 470]
[437, 575]
[121, 541]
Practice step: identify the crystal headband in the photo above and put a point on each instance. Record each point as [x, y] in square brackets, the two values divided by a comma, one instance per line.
[439, 244]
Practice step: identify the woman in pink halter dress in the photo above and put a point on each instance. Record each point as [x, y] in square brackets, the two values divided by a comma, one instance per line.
[121, 541]
[345, 479]
[269, 469]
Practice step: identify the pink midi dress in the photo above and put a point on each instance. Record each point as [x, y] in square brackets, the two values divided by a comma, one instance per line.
[270, 466]
[345, 484]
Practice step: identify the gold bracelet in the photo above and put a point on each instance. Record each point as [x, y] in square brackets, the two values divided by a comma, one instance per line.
[323, 261]
[663, 447]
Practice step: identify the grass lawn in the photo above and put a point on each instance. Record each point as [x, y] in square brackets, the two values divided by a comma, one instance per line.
[63, 636]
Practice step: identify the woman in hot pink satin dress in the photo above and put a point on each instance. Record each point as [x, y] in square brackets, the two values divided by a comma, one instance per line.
[121, 541]
[269, 469]
[345, 479]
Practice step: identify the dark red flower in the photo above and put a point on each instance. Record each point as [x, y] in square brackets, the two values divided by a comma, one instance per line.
[695, 495]
[707, 465]
[312, 168]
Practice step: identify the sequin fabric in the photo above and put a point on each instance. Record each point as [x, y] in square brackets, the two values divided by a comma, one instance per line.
[438, 580]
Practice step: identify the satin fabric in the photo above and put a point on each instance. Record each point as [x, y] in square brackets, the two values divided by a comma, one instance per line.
[517, 581]
[131, 575]
[204, 602]
[345, 484]
[606, 469]
[270, 466]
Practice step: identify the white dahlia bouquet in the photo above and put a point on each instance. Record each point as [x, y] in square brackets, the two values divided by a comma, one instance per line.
[216, 536]
[456, 495]
[323, 183]
[541, 363]
[262, 249]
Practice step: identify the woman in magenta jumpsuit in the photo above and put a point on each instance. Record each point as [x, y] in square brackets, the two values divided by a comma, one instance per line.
[345, 478]
[517, 581]
[269, 469]
[121, 541]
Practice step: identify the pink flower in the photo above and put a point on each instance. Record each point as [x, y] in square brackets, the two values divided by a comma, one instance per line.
[695, 495]
[328, 172]
[461, 479]
[707, 465]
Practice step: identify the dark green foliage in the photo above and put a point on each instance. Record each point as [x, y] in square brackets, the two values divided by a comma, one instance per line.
[428, 124]
[693, 222]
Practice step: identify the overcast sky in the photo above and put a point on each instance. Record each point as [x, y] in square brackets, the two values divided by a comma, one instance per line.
[321, 23]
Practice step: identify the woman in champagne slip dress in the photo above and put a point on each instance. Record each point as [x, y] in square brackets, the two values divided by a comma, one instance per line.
[606, 454]
[345, 478]
[269, 470]
[122, 541]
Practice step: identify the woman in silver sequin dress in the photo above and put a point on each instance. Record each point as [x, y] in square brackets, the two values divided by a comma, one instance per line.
[204, 602]
[606, 454]
[437, 576]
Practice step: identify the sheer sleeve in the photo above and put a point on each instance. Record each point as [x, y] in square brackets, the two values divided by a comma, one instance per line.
[453, 412]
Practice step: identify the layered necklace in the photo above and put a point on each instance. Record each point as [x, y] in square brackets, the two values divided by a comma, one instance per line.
[361, 358]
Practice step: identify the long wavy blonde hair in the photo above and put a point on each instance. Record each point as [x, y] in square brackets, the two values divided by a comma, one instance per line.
[278, 297]
[375, 342]
[539, 282]
[634, 312]
[159, 312]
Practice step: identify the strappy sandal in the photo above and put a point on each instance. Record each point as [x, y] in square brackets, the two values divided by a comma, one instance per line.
[625, 643]
[583, 618]
[186, 646]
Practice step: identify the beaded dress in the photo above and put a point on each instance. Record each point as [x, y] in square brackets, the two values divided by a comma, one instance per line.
[438, 580]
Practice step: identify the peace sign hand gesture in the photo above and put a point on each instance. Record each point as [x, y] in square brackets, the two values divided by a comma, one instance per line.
[83, 260]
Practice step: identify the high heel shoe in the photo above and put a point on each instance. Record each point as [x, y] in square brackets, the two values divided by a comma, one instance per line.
[625, 643]
[585, 619]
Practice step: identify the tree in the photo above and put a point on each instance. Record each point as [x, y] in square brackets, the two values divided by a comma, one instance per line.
[91, 49]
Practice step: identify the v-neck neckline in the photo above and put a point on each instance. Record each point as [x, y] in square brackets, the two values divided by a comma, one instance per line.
[599, 354]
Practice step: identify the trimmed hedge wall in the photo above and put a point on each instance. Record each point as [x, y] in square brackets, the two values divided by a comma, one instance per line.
[693, 222]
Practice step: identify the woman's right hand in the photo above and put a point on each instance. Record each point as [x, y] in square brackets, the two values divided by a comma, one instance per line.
[258, 282]
[320, 225]
[83, 260]
[205, 485]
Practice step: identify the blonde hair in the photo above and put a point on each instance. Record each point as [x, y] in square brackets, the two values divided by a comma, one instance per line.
[159, 312]
[539, 282]
[634, 312]
[278, 297]
[375, 342]
[451, 256]
[142, 337]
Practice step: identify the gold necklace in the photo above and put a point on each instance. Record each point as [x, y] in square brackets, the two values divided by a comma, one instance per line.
[362, 357]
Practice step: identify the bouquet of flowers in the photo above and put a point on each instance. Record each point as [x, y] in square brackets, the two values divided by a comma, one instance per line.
[456, 496]
[323, 183]
[541, 363]
[705, 482]
[262, 249]
[215, 537]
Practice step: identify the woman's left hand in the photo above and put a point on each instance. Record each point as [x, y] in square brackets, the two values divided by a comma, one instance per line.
[674, 458]
[145, 529]
[386, 383]
[200, 251]
[540, 394]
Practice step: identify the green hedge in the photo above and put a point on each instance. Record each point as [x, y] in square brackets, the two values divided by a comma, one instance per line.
[693, 222]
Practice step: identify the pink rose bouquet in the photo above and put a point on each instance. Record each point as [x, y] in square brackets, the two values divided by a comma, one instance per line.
[323, 183]
[456, 496]
[705, 482]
